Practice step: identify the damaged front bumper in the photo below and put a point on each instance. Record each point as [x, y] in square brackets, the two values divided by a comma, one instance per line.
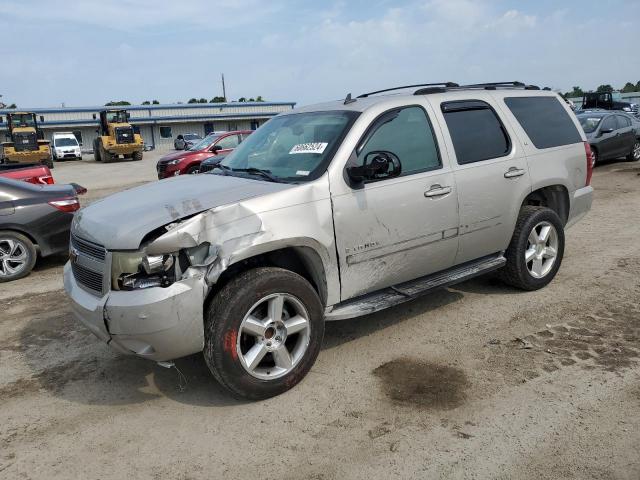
[155, 323]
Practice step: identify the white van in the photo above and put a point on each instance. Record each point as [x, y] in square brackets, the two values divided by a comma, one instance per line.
[64, 145]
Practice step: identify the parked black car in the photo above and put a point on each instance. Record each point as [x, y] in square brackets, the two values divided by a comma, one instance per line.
[210, 163]
[611, 135]
[34, 219]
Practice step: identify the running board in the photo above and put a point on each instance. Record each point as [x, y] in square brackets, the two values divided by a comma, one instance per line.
[397, 294]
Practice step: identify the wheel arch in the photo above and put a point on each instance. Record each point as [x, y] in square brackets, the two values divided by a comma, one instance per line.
[301, 257]
[555, 197]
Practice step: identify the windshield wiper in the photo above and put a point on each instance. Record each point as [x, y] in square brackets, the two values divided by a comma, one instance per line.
[258, 171]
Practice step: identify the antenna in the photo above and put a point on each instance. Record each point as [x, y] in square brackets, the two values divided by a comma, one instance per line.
[348, 99]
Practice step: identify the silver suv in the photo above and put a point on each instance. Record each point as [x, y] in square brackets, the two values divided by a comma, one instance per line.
[329, 212]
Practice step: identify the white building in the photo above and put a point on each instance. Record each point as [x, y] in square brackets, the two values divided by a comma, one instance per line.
[159, 125]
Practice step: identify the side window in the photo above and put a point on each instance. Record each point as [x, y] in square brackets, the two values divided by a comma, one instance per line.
[165, 132]
[544, 120]
[408, 135]
[228, 142]
[476, 131]
[623, 122]
[609, 123]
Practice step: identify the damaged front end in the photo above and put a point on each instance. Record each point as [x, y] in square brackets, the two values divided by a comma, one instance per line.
[171, 275]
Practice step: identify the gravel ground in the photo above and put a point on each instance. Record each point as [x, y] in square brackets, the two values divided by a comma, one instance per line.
[475, 381]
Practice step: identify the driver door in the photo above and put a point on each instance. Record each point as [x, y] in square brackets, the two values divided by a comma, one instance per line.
[391, 230]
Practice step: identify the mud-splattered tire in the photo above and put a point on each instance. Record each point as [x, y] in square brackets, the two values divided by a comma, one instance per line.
[263, 332]
[536, 249]
[137, 156]
[17, 256]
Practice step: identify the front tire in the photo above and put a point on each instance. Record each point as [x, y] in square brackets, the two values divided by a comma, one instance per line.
[263, 332]
[137, 156]
[17, 256]
[106, 156]
[536, 249]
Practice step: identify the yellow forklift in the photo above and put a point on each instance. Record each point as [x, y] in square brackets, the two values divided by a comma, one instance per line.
[116, 137]
[25, 142]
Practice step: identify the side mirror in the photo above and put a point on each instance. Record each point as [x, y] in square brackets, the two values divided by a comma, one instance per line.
[606, 130]
[215, 149]
[377, 166]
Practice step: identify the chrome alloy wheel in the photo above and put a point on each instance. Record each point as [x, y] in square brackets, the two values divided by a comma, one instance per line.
[274, 336]
[542, 249]
[636, 151]
[13, 256]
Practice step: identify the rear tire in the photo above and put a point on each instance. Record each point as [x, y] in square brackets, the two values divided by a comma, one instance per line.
[17, 256]
[536, 249]
[634, 155]
[137, 156]
[594, 157]
[263, 332]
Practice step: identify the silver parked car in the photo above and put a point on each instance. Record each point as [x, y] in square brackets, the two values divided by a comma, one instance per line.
[330, 212]
[186, 141]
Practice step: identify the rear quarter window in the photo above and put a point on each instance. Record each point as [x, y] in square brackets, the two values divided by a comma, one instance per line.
[544, 120]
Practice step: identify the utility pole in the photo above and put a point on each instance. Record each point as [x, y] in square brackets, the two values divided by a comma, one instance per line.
[224, 90]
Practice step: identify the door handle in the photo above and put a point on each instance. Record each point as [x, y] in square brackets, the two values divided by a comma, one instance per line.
[514, 172]
[437, 191]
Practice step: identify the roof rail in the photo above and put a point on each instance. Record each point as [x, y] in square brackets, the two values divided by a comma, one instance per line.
[474, 86]
[441, 84]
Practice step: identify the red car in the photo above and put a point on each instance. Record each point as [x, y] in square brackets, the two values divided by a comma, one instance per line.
[33, 173]
[188, 161]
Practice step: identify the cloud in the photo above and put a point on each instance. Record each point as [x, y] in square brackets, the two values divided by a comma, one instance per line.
[302, 51]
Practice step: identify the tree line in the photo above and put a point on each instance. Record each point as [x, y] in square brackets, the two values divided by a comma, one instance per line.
[216, 99]
[628, 88]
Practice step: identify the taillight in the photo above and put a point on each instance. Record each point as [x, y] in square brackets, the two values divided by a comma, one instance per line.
[589, 154]
[66, 204]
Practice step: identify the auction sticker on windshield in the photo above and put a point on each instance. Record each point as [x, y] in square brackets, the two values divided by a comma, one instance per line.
[317, 147]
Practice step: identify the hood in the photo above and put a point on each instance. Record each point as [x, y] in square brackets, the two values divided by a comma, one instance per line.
[173, 155]
[120, 221]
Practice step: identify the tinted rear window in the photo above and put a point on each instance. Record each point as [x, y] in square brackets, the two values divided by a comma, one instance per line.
[476, 131]
[544, 120]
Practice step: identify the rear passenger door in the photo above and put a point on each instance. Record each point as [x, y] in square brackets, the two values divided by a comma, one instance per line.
[491, 174]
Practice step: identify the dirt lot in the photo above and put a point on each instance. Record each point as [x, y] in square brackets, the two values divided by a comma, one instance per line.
[438, 388]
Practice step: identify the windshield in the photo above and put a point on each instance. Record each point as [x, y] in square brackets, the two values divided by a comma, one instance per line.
[191, 136]
[205, 142]
[589, 124]
[23, 120]
[66, 142]
[295, 147]
[119, 116]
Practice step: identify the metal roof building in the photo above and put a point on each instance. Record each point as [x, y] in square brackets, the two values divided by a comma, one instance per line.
[159, 125]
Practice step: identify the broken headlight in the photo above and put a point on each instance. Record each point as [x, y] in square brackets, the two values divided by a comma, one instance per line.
[135, 270]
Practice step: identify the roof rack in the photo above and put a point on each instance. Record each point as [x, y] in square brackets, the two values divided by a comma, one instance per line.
[483, 86]
[441, 84]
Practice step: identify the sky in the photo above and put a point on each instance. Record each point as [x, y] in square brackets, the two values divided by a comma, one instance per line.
[89, 52]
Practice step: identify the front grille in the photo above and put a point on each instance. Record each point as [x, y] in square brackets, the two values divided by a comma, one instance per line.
[24, 141]
[161, 168]
[88, 264]
[124, 135]
[87, 278]
[90, 249]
